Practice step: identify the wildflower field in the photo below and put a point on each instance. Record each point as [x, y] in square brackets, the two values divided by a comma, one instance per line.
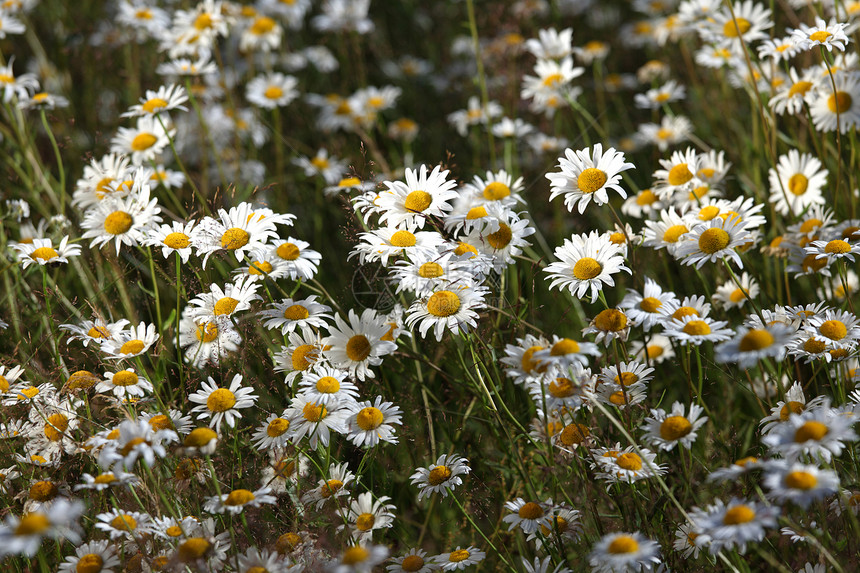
[486, 285]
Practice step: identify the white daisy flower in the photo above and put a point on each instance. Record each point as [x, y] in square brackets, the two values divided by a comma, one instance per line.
[365, 514]
[272, 90]
[693, 329]
[125, 385]
[800, 484]
[96, 556]
[301, 262]
[333, 487]
[222, 404]
[237, 230]
[273, 433]
[206, 342]
[714, 240]
[645, 309]
[796, 183]
[732, 525]
[358, 344]
[126, 525]
[459, 558]
[218, 303]
[304, 350]
[144, 142]
[441, 477]
[665, 431]
[753, 344]
[527, 515]
[621, 552]
[389, 242]
[124, 221]
[819, 432]
[587, 175]
[237, 500]
[839, 108]
[368, 423]
[586, 263]
[166, 98]
[314, 420]
[132, 342]
[177, 237]
[421, 196]
[290, 314]
[454, 309]
[829, 36]
[42, 252]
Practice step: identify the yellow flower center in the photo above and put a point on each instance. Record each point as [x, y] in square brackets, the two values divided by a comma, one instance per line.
[430, 270]
[820, 36]
[840, 102]
[262, 25]
[674, 233]
[623, 544]
[314, 413]
[43, 491]
[355, 554]
[610, 320]
[737, 296]
[304, 355]
[327, 385]
[713, 240]
[563, 347]
[199, 437]
[684, 311]
[443, 303]
[837, 247]
[586, 268]
[89, 563]
[273, 92]
[679, 174]
[418, 201]
[527, 363]
[573, 434]
[810, 430]
[789, 408]
[277, 427]
[349, 182]
[697, 328]
[106, 478]
[814, 346]
[732, 30]
[296, 312]
[738, 515]
[801, 480]
[365, 521]
[44, 253]
[239, 497]
[629, 461]
[709, 212]
[403, 239]
[798, 184]
[32, 524]
[288, 251]
[590, 180]
[438, 475]
[207, 332]
[530, 510]
[553, 79]
[153, 105]
[193, 549]
[476, 213]
[501, 238]
[220, 400]
[412, 563]
[260, 268]
[330, 488]
[650, 304]
[496, 190]
[118, 222]
[369, 418]
[225, 305]
[177, 240]
[459, 555]
[28, 393]
[124, 378]
[56, 425]
[173, 531]
[234, 238]
[833, 329]
[358, 348]
[132, 347]
[646, 197]
[161, 422]
[756, 339]
[124, 522]
[143, 141]
[561, 388]
[674, 428]
[626, 379]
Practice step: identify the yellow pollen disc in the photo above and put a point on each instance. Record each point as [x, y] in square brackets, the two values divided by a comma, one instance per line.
[193, 549]
[737, 296]
[288, 251]
[674, 233]
[623, 544]
[327, 385]
[654, 351]
[118, 222]
[277, 427]
[358, 348]
[810, 430]
[709, 212]
[496, 190]
[124, 522]
[553, 79]
[713, 240]
[430, 270]
[610, 320]
[838, 353]
[412, 563]
[320, 163]
[296, 312]
[207, 332]
[225, 305]
[833, 329]
[143, 141]
[131, 445]
[730, 30]
[330, 488]
[820, 36]
[89, 563]
[124, 378]
[355, 554]
[814, 346]
[161, 422]
[44, 253]
[26, 393]
[199, 437]
[260, 268]
[234, 238]
[305, 355]
[132, 347]
[679, 174]
[629, 461]
[561, 388]
[756, 339]
[617, 238]
[590, 180]
[840, 102]
[646, 197]
[221, 400]
[650, 304]
[417, 201]
[239, 497]
[43, 491]
[586, 268]
[463, 248]
[837, 247]
[684, 311]
[800, 480]
[574, 434]
[314, 413]
[262, 25]
[173, 531]
[797, 184]
[526, 362]
[559, 522]
[403, 239]
[349, 182]
[699, 192]
[32, 524]
[674, 428]
[476, 213]
[564, 346]
[143, 14]
[4, 384]
[501, 238]
[177, 241]
[459, 555]
[738, 515]
[530, 510]
[369, 418]
[56, 426]
[203, 21]
[799, 89]
[153, 105]
[365, 521]
[273, 92]
[626, 379]
[662, 97]
[697, 328]
[98, 332]
[438, 475]
[443, 303]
